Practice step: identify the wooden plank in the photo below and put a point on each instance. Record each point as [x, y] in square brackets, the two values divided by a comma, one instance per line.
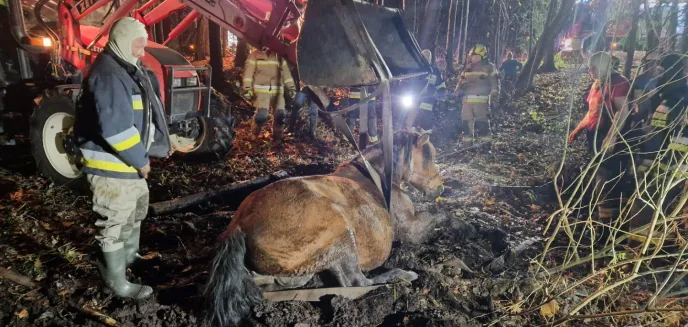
[314, 294]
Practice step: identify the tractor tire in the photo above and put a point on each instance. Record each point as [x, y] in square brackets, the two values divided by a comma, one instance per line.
[51, 124]
[217, 131]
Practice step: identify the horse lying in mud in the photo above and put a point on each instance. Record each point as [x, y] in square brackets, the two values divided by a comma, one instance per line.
[298, 227]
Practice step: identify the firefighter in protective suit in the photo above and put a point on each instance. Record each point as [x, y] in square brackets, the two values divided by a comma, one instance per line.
[662, 170]
[267, 79]
[429, 89]
[479, 87]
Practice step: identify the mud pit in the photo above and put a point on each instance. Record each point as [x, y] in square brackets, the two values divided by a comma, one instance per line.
[497, 200]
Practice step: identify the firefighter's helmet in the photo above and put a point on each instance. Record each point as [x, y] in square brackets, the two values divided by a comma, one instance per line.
[479, 50]
[427, 55]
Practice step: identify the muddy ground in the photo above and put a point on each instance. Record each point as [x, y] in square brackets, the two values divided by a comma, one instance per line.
[501, 192]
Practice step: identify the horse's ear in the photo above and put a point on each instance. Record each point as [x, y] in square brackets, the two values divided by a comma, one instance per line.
[423, 139]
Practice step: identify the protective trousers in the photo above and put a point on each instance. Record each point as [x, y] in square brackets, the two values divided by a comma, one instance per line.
[263, 103]
[475, 118]
[368, 121]
[122, 205]
[422, 116]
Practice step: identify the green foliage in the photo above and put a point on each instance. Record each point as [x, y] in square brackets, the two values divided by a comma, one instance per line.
[559, 62]
[537, 116]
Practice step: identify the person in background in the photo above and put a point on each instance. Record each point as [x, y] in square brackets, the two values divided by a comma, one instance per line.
[665, 146]
[267, 78]
[604, 124]
[510, 67]
[369, 125]
[428, 90]
[479, 86]
[607, 97]
[316, 98]
[119, 124]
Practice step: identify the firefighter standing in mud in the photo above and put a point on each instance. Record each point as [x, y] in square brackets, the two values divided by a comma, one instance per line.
[267, 79]
[119, 124]
[479, 87]
[429, 90]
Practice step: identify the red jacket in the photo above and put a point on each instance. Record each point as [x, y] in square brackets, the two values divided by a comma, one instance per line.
[600, 101]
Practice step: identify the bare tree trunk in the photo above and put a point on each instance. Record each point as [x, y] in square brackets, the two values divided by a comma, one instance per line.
[684, 36]
[653, 24]
[548, 65]
[464, 52]
[451, 35]
[241, 54]
[601, 44]
[546, 41]
[673, 26]
[631, 39]
[216, 55]
[428, 37]
[202, 39]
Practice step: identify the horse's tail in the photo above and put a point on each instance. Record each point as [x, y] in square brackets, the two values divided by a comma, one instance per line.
[231, 291]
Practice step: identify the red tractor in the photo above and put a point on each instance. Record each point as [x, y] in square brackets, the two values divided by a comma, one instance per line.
[45, 53]
[47, 46]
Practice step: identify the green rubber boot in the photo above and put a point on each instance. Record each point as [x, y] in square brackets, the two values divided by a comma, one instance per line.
[113, 267]
[131, 247]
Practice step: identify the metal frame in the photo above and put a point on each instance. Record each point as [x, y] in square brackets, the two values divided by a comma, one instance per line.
[171, 91]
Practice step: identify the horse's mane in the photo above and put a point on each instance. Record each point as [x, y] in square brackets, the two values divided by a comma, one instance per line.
[403, 143]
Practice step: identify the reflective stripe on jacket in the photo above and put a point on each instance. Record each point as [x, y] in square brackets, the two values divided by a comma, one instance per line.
[668, 131]
[265, 69]
[112, 123]
[479, 79]
[355, 94]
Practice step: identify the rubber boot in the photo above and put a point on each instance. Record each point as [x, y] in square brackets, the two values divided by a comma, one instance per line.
[255, 131]
[131, 247]
[313, 125]
[277, 134]
[467, 132]
[278, 126]
[483, 134]
[113, 267]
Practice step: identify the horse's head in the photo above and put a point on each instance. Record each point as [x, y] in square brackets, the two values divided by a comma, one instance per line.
[416, 162]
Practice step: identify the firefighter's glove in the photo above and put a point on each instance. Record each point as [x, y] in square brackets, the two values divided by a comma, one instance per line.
[291, 93]
[248, 94]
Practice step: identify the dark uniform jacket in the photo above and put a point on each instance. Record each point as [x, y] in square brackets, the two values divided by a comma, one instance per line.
[667, 130]
[112, 126]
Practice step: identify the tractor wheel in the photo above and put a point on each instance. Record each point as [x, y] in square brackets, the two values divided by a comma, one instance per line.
[216, 134]
[52, 125]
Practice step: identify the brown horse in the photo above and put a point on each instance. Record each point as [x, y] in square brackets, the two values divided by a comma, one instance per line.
[295, 228]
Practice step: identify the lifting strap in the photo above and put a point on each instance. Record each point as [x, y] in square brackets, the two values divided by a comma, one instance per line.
[384, 186]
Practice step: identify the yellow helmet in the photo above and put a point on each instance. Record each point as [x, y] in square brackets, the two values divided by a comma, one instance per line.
[479, 50]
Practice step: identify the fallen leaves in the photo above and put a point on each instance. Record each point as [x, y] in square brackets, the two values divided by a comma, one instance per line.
[151, 255]
[17, 196]
[549, 309]
[22, 314]
[63, 292]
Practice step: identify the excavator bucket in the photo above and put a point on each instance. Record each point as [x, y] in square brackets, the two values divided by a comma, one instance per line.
[346, 43]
